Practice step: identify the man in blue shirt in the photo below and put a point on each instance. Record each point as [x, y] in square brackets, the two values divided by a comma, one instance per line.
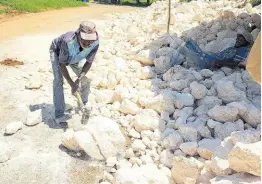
[68, 50]
[231, 57]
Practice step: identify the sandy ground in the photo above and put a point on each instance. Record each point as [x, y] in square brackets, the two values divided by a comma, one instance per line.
[37, 155]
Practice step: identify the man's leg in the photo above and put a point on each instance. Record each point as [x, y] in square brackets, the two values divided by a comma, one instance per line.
[58, 91]
[84, 86]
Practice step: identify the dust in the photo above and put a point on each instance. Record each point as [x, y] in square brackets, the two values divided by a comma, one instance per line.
[11, 62]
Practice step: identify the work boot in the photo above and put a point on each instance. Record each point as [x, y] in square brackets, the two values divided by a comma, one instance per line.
[63, 119]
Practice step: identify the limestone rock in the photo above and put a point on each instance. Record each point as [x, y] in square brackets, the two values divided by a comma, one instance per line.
[228, 93]
[206, 147]
[107, 135]
[189, 148]
[145, 57]
[238, 178]
[179, 85]
[246, 136]
[34, 118]
[183, 99]
[173, 140]
[146, 120]
[105, 96]
[209, 101]
[88, 144]
[166, 158]
[198, 91]
[224, 130]
[111, 161]
[206, 73]
[219, 161]
[69, 141]
[186, 170]
[246, 158]
[223, 113]
[145, 174]
[128, 107]
[12, 128]
[138, 145]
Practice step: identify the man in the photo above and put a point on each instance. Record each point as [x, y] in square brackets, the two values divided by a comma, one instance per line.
[231, 57]
[68, 50]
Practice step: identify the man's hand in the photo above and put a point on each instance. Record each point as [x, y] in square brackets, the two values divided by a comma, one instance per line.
[75, 86]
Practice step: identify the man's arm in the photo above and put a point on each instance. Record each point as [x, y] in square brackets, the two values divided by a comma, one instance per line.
[88, 64]
[65, 73]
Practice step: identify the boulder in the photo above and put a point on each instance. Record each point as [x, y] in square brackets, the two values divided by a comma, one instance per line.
[238, 178]
[179, 84]
[146, 174]
[222, 131]
[246, 136]
[107, 135]
[69, 141]
[12, 128]
[166, 158]
[128, 107]
[223, 113]
[189, 148]
[145, 57]
[206, 73]
[206, 147]
[198, 91]
[138, 145]
[209, 101]
[183, 100]
[219, 161]
[147, 119]
[162, 102]
[246, 158]
[228, 93]
[173, 140]
[88, 144]
[104, 96]
[34, 118]
[186, 170]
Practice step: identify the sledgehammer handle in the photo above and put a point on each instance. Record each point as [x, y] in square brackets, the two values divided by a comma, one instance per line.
[79, 100]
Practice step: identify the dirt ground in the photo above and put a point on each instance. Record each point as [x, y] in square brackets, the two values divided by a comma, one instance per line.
[37, 155]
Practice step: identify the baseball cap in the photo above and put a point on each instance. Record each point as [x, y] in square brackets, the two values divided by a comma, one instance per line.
[87, 30]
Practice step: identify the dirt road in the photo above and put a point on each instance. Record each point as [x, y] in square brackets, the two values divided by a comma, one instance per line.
[37, 155]
[55, 21]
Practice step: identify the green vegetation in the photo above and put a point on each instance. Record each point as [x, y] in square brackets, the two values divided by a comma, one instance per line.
[137, 2]
[40, 5]
[255, 2]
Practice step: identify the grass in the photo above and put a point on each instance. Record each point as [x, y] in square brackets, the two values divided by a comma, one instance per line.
[40, 5]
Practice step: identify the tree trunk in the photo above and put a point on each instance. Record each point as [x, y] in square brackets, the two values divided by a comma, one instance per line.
[168, 16]
[147, 2]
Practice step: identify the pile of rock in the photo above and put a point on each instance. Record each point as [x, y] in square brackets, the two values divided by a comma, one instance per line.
[183, 125]
[179, 124]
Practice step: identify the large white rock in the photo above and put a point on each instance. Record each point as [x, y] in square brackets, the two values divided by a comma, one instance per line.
[189, 148]
[252, 115]
[219, 161]
[162, 102]
[107, 135]
[223, 113]
[88, 144]
[138, 145]
[246, 158]
[5, 152]
[198, 91]
[238, 178]
[69, 141]
[147, 119]
[179, 84]
[228, 93]
[183, 99]
[34, 118]
[12, 128]
[145, 57]
[129, 107]
[105, 96]
[206, 147]
[246, 136]
[222, 131]
[146, 174]
[186, 170]
[166, 158]
[209, 101]
[206, 73]
[173, 140]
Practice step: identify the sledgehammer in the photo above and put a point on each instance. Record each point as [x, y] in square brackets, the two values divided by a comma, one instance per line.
[84, 110]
